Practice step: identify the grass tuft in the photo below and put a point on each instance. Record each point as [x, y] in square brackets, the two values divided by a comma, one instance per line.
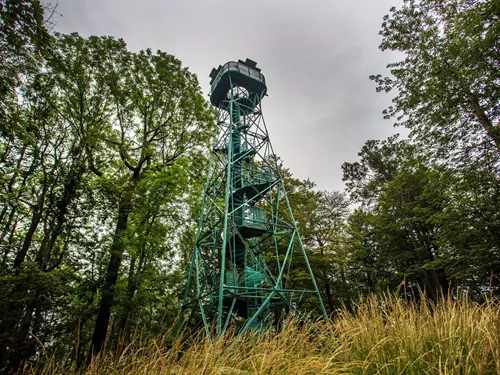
[384, 336]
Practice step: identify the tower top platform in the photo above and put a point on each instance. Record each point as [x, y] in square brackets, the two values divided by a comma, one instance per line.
[232, 74]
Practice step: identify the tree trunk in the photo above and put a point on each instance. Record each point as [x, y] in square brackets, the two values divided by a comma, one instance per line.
[324, 275]
[491, 130]
[11, 185]
[42, 259]
[7, 225]
[328, 292]
[134, 281]
[35, 220]
[25, 346]
[8, 246]
[131, 288]
[6, 230]
[108, 292]
[437, 275]
[71, 186]
[430, 282]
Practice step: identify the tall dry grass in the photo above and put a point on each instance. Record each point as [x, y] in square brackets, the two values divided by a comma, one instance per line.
[384, 336]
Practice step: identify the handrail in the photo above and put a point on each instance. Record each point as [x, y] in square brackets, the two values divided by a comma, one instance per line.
[233, 66]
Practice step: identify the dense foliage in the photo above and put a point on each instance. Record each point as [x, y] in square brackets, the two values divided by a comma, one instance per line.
[103, 155]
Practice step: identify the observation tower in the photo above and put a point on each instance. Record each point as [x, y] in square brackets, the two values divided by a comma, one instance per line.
[248, 265]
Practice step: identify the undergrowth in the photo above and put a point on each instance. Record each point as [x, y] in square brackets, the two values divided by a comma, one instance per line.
[383, 336]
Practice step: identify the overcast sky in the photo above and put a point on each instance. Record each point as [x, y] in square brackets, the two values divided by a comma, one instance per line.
[316, 57]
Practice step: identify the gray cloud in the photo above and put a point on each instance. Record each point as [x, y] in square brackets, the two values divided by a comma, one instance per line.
[316, 56]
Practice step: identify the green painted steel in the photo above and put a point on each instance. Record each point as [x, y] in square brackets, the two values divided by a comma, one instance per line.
[241, 271]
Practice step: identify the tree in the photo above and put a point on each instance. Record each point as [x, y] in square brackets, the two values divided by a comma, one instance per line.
[379, 163]
[469, 244]
[159, 117]
[61, 107]
[396, 181]
[321, 220]
[99, 166]
[448, 83]
[404, 210]
[23, 41]
[324, 236]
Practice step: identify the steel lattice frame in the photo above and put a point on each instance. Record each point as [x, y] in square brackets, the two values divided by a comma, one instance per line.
[247, 238]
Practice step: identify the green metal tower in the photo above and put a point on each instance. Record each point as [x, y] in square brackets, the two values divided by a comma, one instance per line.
[247, 240]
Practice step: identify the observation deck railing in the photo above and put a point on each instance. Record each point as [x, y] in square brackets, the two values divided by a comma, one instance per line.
[255, 218]
[233, 66]
[257, 176]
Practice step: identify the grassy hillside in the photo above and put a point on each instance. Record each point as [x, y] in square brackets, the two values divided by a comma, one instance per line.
[389, 336]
